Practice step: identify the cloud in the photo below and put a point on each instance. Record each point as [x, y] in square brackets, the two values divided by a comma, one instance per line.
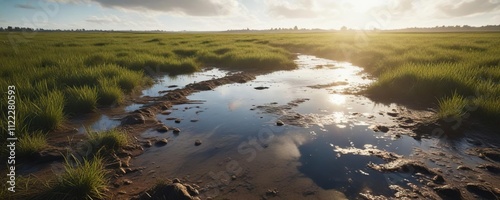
[186, 7]
[299, 9]
[108, 19]
[468, 7]
[26, 6]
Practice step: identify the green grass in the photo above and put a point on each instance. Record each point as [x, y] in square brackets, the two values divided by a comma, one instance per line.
[81, 99]
[107, 140]
[80, 180]
[31, 143]
[452, 107]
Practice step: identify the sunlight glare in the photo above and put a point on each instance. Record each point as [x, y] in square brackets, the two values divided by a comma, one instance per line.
[337, 99]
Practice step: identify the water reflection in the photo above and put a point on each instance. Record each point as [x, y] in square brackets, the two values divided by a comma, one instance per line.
[337, 99]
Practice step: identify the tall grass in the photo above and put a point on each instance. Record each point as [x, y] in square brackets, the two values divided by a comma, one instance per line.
[107, 140]
[81, 180]
[81, 99]
[31, 143]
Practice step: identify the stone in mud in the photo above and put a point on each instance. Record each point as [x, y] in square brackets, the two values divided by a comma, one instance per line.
[146, 112]
[177, 130]
[162, 129]
[482, 190]
[438, 179]
[127, 182]
[177, 120]
[448, 192]
[174, 191]
[176, 180]
[490, 153]
[166, 112]
[172, 86]
[261, 88]
[197, 142]
[171, 118]
[393, 114]
[162, 142]
[490, 167]
[194, 120]
[135, 118]
[380, 128]
[463, 167]
[148, 144]
[280, 123]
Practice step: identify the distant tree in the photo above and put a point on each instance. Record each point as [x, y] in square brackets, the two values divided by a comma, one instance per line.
[344, 28]
[295, 28]
[1, 28]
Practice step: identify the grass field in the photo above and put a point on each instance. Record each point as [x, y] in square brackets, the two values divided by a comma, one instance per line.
[60, 75]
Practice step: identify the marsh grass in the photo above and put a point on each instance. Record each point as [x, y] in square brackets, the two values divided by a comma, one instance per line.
[31, 143]
[80, 180]
[45, 113]
[107, 140]
[81, 99]
[452, 107]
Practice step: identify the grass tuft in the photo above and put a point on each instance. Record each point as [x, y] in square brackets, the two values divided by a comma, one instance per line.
[107, 140]
[81, 99]
[31, 143]
[81, 180]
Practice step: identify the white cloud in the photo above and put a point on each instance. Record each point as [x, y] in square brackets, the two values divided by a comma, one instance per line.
[191, 7]
[106, 19]
[468, 7]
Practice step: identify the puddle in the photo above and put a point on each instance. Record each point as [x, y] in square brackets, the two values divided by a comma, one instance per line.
[179, 81]
[237, 126]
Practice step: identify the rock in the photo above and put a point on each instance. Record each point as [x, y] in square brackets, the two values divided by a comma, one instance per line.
[280, 123]
[197, 142]
[463, 167]
[172, 86]
[174, 191]
[490, 153]
[481, 190]
[438, 179]
[171, 118]
[194, 120]
[166, 112]
[448, 192]
[272, 192]
[393, 114]
[162, 142]
[127, 182]
[233, 177]
[261, 88]
[492, 168]
[136, 118]
[162, 129]
[122, 192]
[380, 128]
[383, 128]
[177, 130]
[176, 180]
[148, 144]
[177, 120]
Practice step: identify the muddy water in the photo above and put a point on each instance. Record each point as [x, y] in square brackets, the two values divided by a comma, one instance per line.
[245, 155]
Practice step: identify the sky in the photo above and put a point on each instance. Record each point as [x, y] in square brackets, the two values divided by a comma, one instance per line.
[220, 15]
